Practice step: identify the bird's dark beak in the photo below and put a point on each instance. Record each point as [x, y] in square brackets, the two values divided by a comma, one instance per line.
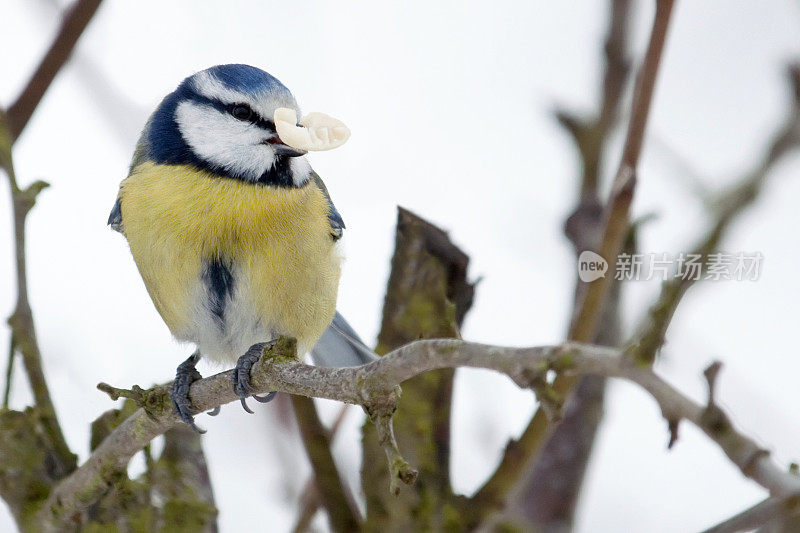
[284, 149]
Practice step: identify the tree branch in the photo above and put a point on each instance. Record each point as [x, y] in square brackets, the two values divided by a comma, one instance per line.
[375, 387]
[77, 17]
[427, 296]
[760, 514]
[726, 208]
[591, 137]
[42, 420]
[9, 372]
[23, 331]
[547, 495]
[329, 484]
[180, 479]
[310, 498]
[583, 326]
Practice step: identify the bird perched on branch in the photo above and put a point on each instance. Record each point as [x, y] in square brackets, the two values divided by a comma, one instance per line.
[234, 234]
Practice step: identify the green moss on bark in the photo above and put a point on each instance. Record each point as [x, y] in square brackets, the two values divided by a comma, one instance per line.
[427, 295]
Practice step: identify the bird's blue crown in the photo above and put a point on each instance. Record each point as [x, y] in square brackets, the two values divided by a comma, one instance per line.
[244, 78]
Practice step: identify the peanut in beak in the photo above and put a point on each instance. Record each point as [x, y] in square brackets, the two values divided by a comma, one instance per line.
[316, 132]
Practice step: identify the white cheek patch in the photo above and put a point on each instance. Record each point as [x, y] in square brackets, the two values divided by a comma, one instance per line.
[224, 141]
[317, 131]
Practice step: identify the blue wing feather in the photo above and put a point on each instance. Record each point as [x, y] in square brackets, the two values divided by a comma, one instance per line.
[337, 223]
[115, 217]
[341, 346]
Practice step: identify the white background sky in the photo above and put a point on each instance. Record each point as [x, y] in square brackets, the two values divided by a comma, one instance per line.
[450, 108]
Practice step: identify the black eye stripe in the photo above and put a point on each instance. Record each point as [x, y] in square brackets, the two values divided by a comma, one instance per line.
[252, 116]
[255, 118]
[264, 124]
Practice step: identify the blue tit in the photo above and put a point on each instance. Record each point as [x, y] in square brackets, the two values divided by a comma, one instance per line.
[233, 233]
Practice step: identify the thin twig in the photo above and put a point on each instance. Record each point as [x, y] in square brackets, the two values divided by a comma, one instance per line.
[616, 222]
[727, 206]
[758, 515]
[591, 137]
[584, 325]
[75, 20]
[330, 485]
[548, 489]
[23, 331]
[309, 497]
[9, 372]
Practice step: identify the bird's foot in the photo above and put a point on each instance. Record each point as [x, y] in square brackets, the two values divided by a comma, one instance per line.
[241, 375]
[184, 377]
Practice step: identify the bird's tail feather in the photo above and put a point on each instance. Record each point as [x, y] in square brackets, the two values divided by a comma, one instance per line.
[340, 345]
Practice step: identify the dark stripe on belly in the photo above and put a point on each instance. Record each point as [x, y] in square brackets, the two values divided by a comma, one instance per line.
[219, 280]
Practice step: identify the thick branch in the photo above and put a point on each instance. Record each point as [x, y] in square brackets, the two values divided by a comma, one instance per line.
[180, 479]
[427, 296]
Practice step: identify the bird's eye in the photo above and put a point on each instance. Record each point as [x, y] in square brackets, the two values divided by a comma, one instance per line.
[242, 112]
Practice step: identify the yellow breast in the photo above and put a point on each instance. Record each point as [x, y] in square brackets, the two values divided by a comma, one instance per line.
[176, 217]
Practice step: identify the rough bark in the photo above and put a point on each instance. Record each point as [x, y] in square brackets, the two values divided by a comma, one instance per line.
[427, 296]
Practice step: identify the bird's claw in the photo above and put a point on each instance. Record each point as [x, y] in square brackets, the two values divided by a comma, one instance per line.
[265, 399]
[241, 375]
[184, 377]
[245, 406]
